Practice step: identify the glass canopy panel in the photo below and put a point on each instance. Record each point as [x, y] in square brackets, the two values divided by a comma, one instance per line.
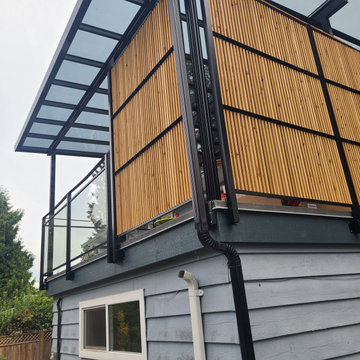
[83, 147]
[45, 129]
[304, 7]
[88, 134]
[54, 113]
[77, 73]
[347, 19]
[64, 94]
[89, 118]
[112, 15]
[91, 46]
[99, 101]
[104, 84]
[39, 143]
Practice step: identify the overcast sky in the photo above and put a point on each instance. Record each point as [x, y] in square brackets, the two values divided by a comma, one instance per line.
[30, 32]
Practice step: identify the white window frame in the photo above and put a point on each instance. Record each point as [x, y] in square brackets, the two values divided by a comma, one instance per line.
[136, 295]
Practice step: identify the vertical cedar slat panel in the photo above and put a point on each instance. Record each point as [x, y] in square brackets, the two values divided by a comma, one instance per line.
[154, 182]
[340, 63]
[150, 111]
[346, 105]
[148, 46]
[252, 83]
[260, 27]
[353, 157]
[271, 158]
[158, 179]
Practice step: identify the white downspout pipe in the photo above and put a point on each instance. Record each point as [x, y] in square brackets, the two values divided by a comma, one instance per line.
[195, 313]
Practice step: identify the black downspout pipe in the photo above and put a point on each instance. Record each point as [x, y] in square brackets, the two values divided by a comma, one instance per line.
[58, 339]
[199, 205]
[239, 292]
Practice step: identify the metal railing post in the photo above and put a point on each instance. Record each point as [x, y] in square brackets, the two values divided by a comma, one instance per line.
[69, 273]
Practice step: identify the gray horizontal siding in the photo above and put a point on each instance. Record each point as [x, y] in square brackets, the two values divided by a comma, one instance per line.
[304, 304]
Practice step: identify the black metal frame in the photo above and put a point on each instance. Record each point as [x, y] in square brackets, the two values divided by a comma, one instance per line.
[74, 25]
[355, 224]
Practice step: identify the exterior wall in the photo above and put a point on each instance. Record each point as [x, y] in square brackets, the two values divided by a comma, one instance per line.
[304, 304]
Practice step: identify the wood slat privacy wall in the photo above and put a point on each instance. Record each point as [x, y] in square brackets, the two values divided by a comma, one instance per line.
[151, 169]
[281, 129]
[245, 20]
[273, 159]
[149, 45]
[148, 113]
[346, 106]
[340, 63]
[253, 83]
[353, 157]
[156, 181]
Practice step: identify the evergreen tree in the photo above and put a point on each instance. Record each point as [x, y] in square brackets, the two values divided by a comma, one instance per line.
[15, 261]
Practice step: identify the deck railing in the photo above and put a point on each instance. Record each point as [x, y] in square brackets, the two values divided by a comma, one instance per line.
[77, 228]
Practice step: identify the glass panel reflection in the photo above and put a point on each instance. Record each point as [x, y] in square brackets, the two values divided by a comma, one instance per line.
[304, 7]
[39, 143]
[55, 240]
[83, 147]
[91, 46]
[99, 101]
[112, 15]
[124, 327]
[90, 118]
[88, 134]
[95, 329]
[347, 19]
[89, 219]
[45, 129]
[64, 94]
[54, 113]
[77, 73]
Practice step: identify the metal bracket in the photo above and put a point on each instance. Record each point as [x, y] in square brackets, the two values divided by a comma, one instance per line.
[119, 255]
[70, 275]
[354, 226]
[197, 292]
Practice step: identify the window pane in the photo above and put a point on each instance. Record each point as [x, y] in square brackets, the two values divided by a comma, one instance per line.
[99, 101]
[45, 129]
[40, 143]
[124, 327]
[95, 329]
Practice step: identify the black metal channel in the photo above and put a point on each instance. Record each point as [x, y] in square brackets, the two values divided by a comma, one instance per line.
[111, 254]
[200, 212]
[202, 106]
[219, 114]
[42, 255]
[349, 180]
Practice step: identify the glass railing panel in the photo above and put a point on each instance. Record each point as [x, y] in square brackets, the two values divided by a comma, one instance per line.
[89, 220]
[55, 240]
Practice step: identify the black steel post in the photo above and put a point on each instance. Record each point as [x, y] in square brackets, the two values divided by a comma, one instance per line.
[200, 213]
[42, 251]
[202, 106]
[219, 114]
[50, 254]
[69, 273]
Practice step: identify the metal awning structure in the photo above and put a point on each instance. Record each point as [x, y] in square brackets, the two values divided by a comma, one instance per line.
[70, 113]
